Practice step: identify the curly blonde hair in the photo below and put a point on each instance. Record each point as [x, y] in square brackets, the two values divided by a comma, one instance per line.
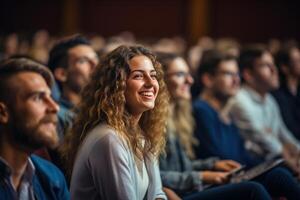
[103, 100]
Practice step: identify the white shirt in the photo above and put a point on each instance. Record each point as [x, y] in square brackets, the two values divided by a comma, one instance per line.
[142, 180]
[260, 122]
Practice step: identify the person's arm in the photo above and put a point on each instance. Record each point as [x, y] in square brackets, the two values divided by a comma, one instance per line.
[171, 194]
[245, 120]
[110, 168]
[205, 164]
[181, 181]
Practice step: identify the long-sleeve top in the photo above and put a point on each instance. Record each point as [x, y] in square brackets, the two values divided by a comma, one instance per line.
[260, 122]
[289, 105]
[218, 138]
[105, 168]
[180, 173]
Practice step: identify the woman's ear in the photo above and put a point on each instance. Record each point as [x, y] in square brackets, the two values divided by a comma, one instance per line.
[4, 115]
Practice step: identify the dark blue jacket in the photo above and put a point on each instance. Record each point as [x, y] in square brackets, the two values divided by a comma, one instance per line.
[48, 182]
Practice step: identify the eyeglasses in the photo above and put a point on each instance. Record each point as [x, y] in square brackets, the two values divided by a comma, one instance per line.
[179, 74]
[229, 74]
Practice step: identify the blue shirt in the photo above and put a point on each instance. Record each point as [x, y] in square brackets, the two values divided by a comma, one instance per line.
[218, 138]
[25, 189]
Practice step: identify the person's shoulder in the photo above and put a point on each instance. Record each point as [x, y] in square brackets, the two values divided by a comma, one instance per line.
[104, 133]
[272, 102]
[202, 105]
[202, 109]
[105, 137]
[47, 169]
[243, 95]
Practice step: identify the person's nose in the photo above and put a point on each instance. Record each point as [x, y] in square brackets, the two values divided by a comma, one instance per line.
[149, 81]
[189, 79]
[52, 105]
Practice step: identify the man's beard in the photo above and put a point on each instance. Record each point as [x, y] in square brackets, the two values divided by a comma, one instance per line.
[76, 82]
[30, 137]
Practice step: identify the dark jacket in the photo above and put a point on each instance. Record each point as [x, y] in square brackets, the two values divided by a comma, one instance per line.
[48, 182]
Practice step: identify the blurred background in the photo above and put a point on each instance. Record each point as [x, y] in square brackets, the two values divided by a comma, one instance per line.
[185, 22]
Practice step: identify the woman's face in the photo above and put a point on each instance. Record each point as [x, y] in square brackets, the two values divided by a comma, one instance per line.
[179, 79]
[141, 85]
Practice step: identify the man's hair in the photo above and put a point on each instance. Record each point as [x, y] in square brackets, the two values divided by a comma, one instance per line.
[13, 66]
[249, 55]
[58, 56]
[211, 60]
[283, 56]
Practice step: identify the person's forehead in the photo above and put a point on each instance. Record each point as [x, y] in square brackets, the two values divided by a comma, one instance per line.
[82, 49]
[178, 64]
[266, 56]
[228, 65]
[28, 82]
[140, 62]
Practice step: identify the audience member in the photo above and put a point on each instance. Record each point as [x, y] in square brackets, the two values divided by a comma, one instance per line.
[179, 173]
[118, 135]
[219, 136]
[27, 122]
[71, 60]
[288, 95]
[256, 113]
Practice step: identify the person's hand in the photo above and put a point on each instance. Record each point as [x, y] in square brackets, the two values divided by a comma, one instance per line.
[212, 177]
[290, 150]
[226, 165]
[171, 194]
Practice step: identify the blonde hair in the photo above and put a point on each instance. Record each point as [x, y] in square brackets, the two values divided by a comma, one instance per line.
[103, 100]
[180, 120]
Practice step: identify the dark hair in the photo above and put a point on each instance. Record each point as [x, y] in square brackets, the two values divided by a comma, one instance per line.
[58, 56]
[211, 60]
[283, 57]
[249, 55]
[165, 59]
[13, 66]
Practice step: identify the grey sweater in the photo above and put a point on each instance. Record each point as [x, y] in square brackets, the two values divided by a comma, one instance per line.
[105, 169]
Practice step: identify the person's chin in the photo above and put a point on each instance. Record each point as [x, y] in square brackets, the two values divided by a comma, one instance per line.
[149, 106]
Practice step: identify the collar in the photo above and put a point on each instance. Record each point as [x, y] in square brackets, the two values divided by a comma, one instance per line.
[254, 95]
[5, 170]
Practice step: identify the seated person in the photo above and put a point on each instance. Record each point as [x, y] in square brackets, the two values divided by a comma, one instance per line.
[113, 147]
[288, 94]
[28, 117]
[71, 61]
[256, 113]
[188, 178]
[216, 132]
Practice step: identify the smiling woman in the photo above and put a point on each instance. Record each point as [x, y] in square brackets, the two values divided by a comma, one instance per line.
[118, 134]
